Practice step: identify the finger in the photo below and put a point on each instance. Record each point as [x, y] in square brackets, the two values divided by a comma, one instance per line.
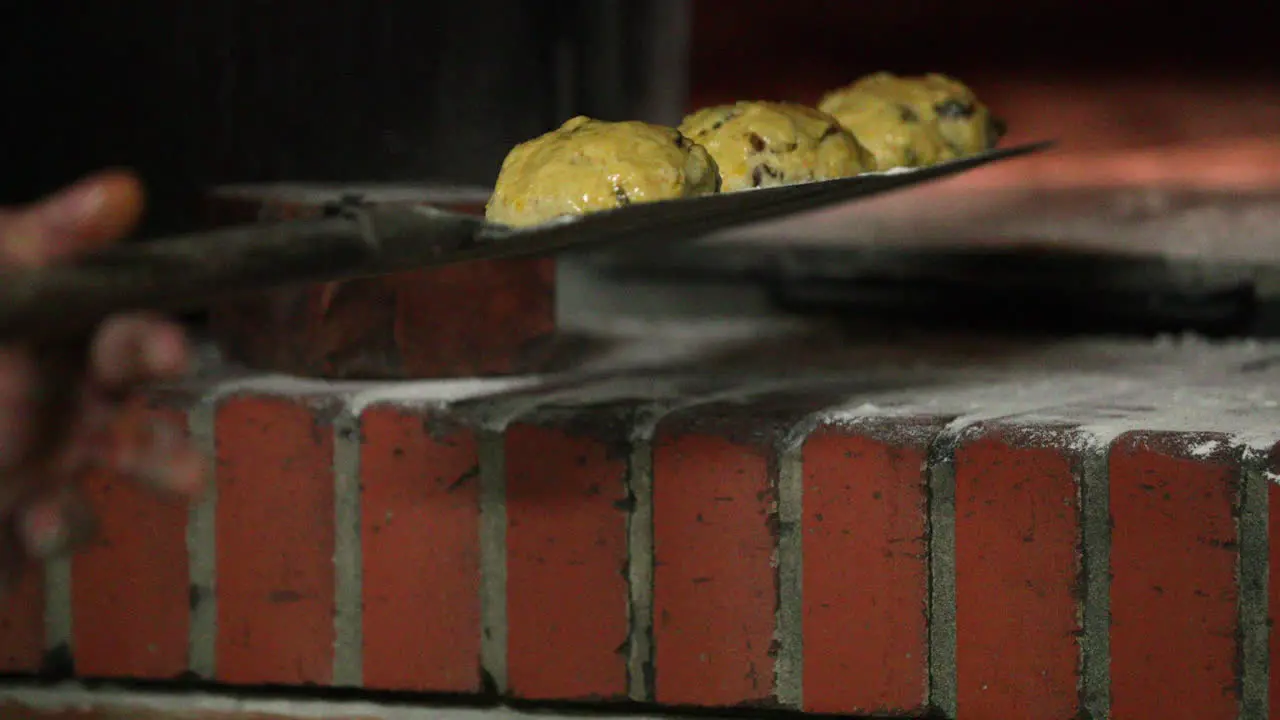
[157, 455]
[133, 349]
[178, 472]
[114, 215]
[52, 526]
[91, 213]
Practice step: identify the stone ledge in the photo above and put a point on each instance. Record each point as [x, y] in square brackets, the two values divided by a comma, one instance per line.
[880, 541]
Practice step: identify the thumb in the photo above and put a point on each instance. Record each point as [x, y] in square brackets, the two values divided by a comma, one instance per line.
[93, 212]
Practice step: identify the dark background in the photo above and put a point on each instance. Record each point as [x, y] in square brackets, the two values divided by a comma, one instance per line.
[202, 92]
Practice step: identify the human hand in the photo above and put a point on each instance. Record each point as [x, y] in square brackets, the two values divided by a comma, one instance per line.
[61, 404]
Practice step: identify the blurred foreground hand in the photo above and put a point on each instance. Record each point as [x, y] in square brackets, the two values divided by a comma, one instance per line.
[62, 405]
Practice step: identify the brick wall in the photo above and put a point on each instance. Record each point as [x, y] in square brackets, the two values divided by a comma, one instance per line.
[1056, 532]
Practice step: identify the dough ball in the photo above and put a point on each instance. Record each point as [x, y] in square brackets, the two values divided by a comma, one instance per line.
[591, 165]
[892, 132]
[966, 124]
[766, 144]
[937, 118]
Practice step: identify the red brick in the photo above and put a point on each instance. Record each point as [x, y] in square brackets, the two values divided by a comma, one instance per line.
[1273, 586]
[865, 584]
[567, 609]
[487, 317]
[715, 587]
[1173, 589]
[494, 317]
[1018, 569]
[22, 642]
[130, 588]
[275, 540]
[420, 515]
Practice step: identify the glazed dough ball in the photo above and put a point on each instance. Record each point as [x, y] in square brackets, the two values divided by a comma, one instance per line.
[766, 144]
[591, 165]
[892, 132]
[965, 123]
[938, 118]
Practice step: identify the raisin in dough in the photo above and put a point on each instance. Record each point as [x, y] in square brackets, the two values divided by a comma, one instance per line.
[591, 165]
[937, 118]
[764, 144]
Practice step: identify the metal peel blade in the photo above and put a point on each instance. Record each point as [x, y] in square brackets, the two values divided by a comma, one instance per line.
[189, 272]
